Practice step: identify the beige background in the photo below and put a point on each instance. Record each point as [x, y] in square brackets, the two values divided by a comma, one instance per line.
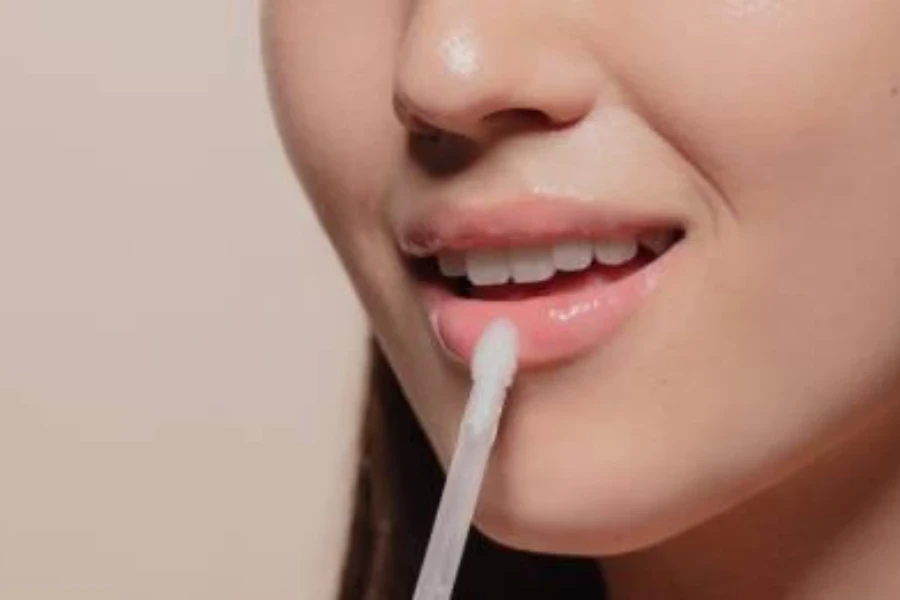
[175, 339]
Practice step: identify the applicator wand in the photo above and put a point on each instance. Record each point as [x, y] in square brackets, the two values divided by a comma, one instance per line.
[493, 368]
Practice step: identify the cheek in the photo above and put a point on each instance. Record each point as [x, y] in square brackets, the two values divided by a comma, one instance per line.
[791, 111]
[330, 67]
[754, 98]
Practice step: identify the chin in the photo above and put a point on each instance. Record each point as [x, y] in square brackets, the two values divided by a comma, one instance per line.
[542, 521]
[559, 483]
[595, 515]
[545, 498]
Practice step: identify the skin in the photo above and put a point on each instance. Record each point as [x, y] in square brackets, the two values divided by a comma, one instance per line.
[737, 438]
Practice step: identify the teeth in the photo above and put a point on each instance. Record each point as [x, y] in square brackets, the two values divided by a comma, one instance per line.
[573, 256]
[452, 264]
[615, 252]
[488, 267]
[531, 265]
[657, 242]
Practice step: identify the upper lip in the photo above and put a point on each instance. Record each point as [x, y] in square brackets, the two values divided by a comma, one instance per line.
[523, 221]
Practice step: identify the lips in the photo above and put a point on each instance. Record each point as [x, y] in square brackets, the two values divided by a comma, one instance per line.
[567, 274]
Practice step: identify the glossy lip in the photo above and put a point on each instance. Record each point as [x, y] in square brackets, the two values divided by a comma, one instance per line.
[529, 220]
[555, 327]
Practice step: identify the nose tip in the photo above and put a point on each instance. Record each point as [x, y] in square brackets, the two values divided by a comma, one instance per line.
[466, 73]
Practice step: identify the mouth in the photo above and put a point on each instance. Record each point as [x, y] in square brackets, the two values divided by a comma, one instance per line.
[567, 288]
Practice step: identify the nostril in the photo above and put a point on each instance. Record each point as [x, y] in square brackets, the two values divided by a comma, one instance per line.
[428, 133]
[440, 153]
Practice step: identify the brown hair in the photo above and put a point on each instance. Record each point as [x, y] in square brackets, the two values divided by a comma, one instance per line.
[398, 487]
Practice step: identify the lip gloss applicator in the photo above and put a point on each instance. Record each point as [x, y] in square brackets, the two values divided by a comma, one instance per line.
[493, 367]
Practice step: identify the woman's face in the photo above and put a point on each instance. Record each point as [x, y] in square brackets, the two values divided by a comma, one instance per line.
[519, 140]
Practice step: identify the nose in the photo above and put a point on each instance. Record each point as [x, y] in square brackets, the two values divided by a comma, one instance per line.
[468, 67]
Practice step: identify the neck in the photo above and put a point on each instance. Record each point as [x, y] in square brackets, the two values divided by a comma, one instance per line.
[831, 532]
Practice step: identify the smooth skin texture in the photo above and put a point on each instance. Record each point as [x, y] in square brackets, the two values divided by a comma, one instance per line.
[738, 438]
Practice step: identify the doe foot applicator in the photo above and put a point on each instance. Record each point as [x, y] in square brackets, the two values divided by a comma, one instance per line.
[493, 368]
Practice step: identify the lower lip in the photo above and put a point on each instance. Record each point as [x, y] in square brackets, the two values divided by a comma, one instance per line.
[554, 327]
